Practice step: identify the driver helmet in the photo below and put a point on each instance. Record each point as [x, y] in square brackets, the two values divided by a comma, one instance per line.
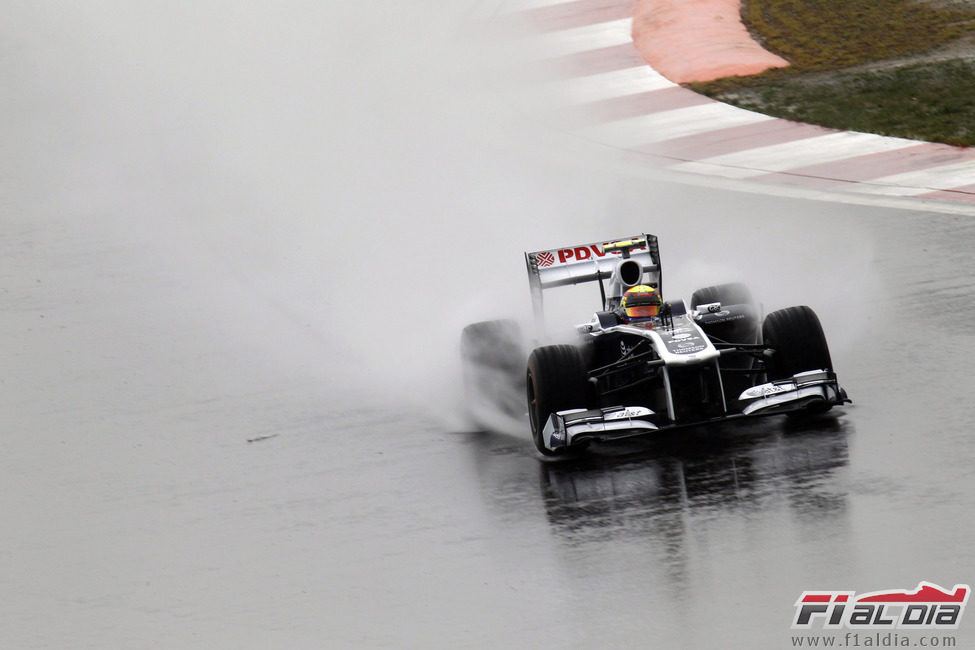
[640, 303]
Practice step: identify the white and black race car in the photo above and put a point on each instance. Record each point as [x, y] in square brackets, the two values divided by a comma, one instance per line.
[711, 360]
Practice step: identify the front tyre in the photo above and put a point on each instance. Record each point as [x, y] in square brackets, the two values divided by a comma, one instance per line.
[797, 342]
[556, 381]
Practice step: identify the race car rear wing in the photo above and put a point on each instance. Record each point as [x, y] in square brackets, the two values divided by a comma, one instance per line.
[625, 262]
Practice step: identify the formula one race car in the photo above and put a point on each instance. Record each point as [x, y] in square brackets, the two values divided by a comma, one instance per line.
[709, 361]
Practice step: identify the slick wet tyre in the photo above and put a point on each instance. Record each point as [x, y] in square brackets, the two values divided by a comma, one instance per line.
[556, 381]
[742, 330]
[732, 293]
[797, 343]
[493, 366]
[494, 343]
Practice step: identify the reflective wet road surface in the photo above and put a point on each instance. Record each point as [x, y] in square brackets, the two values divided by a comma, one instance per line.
[230, 307]
[167, 484]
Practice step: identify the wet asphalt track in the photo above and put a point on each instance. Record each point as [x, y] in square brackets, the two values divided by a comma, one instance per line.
[205, 446]
[701, 538]
[165, 486]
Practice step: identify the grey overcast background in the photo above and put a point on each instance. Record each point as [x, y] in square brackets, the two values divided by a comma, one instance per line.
[238, 243]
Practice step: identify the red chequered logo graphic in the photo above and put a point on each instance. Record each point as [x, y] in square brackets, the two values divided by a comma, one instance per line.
[545, 259]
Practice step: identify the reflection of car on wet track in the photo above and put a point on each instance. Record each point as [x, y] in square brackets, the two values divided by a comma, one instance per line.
[657, 477]
[642, 364]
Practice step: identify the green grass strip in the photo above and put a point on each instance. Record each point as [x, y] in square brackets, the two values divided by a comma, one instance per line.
[824, 39]
[832, 34]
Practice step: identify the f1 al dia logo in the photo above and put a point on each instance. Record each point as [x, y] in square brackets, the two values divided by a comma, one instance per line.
[927, 607]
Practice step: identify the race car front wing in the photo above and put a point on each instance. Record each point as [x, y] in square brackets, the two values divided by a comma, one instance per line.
[812, 390]
[803, 390]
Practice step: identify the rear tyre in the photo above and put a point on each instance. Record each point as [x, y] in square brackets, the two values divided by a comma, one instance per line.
[742, 330]
[495, 343]
[556, 381]
[732, 293]
[493, 363]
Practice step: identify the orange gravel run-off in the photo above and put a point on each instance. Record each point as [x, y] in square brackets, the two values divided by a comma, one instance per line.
[698, 40]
